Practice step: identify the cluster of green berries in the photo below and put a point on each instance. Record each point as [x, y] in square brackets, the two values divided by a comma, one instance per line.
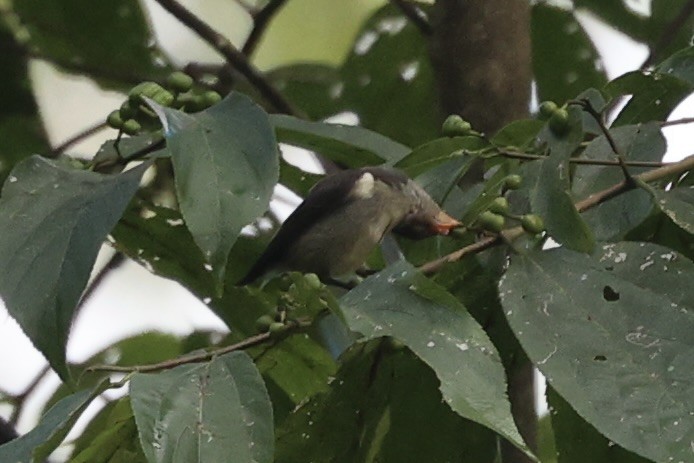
[494, 218]
[558, 117]
[456, 126]
[134, 115]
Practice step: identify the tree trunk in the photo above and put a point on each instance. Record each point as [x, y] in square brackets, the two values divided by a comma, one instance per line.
[481, 53]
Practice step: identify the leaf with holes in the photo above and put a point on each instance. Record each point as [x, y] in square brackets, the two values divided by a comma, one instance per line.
[613, 333]
[53, 220]
[402, 303]
[226, 165]
[204, 412]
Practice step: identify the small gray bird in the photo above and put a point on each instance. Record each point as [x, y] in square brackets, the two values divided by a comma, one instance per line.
[344, 217]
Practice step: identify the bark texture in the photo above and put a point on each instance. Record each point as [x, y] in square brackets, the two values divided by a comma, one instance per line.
[481, 53]
[480, 50]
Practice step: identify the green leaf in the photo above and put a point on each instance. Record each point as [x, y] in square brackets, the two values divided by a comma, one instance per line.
[204, 412]
[519, 134]
[401, 303]
[53, 220]
[21, 130]
[226, 165]
[613, 334]
[436, 152]
[156, 237]
[379, 395]
[37, 444]
[112, 431]
[678, 204]
[112, 42]
[389, 82]
[612, 219]
[347, 145]
[680, 65]
[654, 96]
[565, 61]
[578, 441]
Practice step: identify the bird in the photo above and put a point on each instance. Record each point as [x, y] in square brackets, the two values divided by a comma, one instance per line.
[344, 217]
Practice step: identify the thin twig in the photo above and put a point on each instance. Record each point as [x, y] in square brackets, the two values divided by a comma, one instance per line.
[233, 56]
[415, 15]
[86, 133]
[588, 107]
[195, 358]
[584, 161]
[591, 201]
[669, 33]
[19, 399]
[684, 120]
[261, 19]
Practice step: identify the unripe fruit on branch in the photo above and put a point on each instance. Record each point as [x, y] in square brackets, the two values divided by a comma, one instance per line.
[559, 122]
[532, 224]
[513, 182]
[179, 81]
[499, 205]
[491, 221]
[455, 125]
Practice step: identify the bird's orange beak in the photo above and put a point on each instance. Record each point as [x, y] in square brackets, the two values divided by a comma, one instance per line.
[444, 223]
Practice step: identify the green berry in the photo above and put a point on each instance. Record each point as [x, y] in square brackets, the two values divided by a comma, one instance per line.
[513, 182]
[150, 90]
[127, 111]
[559, 122]
[499, 205]
[491, 221]
[532, 224]
[183, 100]
[179, 81]
[277, 327]
[313, 281]
[263, 323]
[211, 98]
[114, 120]
[131, 127]
[455, 125]
[547, 109]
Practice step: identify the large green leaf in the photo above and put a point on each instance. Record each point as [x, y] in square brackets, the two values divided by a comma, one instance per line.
[654, 95]
[550, 193]
[613, 333]
[226, 165]
[401, 303]
[612, 219]
[436, 152]
[37, 444]
[347, 145]
[112, 42]
[53, 219]
[389, 81]
[678, 204]
[204, 412]
[379, 395]
[565, 61]
[156, 237]
[21, 130]
[577, 441]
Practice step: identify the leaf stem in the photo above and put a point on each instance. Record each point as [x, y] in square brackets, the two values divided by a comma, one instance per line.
[593, 162]
[78, 137]
[684, 120]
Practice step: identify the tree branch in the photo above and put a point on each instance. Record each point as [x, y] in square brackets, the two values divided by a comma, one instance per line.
[78, 137]
[583, 161]
[233, 56]
[591, 201]
[261, 19]
[684, 120]
[258, 339]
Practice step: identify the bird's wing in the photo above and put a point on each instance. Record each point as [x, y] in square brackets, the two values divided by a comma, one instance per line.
[329, 195]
